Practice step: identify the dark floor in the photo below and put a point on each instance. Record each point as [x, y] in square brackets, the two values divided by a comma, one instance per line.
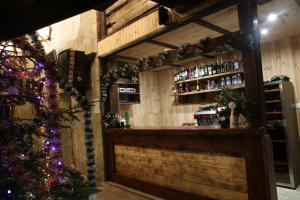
[112, 191]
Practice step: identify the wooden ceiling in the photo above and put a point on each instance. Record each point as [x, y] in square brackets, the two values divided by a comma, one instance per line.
[22, 16]
[287, 25]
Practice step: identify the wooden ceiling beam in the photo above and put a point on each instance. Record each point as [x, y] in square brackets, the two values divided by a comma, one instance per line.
[22, 16]
[162, 44]
[200, 14]
[211, 26]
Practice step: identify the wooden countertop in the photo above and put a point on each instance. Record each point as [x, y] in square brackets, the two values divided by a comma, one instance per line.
[183, 130]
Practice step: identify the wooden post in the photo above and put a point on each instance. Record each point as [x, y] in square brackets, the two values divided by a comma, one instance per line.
[247, 12]
[248, 21]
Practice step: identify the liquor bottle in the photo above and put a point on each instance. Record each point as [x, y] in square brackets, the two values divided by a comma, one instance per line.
[214, 69]
[234, 81]
[239, 79]
[228, 81]
[209, 69]
[187, 88]
[208, 85]
[198, 86]
[236, 64]
[212, 85]
[196, 71]
[180, 88]
[223, 84]
[190, 73]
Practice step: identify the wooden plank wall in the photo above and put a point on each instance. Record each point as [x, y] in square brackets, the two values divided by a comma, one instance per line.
[129, 33]
[124, 11]
[283, 57]
[212, 175]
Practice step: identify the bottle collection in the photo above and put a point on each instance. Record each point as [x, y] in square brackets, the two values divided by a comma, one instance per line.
[202, 70]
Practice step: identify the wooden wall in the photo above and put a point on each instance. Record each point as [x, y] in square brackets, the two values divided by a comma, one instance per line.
[212, 175]
[124, 11]
[283, 57]
[129, 33]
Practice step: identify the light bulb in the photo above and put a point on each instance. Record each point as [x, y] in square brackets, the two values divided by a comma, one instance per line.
[272, 17]
[264, 31]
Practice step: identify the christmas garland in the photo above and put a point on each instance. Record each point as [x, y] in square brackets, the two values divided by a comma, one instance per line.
[86, 107]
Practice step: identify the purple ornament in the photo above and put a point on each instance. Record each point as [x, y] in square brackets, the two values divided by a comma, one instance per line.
[12, 90]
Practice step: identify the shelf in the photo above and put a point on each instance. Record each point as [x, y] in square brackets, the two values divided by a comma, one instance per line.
[278, 141]
[129, 93]
[208, 91]
[273, 113]
[126, 83]
[273, 101]
[211, 76]
[273, 90]
[285, 163]
[128, 103]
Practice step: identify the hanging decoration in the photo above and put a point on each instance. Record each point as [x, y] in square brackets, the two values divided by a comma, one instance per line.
[181, 52]
[201, 45]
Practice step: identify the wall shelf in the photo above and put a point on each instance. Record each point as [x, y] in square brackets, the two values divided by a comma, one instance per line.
[211, 76]
[208, 91]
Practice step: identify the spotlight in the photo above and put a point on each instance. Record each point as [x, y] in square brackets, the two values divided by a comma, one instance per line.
[264, 31]
[272, 17]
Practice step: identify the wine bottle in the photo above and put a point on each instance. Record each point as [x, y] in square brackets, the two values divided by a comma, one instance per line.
[223, 83]
[228, 81]
[198, 86]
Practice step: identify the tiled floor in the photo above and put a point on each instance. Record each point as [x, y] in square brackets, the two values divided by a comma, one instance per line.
[112, 191]
[288, 194]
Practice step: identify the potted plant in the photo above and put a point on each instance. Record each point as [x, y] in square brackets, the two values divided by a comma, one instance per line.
[233, 109]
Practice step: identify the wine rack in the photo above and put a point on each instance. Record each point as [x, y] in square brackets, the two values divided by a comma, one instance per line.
[282, 127]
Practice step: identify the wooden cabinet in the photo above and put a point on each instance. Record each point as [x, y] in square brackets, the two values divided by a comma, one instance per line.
[283, 129]
[123, 94]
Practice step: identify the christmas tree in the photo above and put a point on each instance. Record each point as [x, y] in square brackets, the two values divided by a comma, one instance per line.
[31, 165]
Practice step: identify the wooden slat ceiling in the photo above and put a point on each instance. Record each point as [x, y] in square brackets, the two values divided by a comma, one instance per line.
[288, 23]
[286, 26]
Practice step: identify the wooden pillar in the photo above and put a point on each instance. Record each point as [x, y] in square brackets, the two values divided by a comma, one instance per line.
[247, 12]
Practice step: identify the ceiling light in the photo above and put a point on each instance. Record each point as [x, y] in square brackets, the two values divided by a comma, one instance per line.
[264, 31]
[272, 17]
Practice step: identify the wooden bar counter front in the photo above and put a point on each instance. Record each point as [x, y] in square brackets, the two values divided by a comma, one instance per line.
[191, 163]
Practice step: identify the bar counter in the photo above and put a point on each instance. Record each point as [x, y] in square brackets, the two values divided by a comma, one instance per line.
[191, 162]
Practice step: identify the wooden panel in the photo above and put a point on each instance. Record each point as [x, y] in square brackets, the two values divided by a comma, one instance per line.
[125, 11]
[190, 33]
[129, 33]
[143, 50]
[227, 19]
[283, 57]
[211, 175]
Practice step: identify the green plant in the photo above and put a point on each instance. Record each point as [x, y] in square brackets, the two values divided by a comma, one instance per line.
[227, 96]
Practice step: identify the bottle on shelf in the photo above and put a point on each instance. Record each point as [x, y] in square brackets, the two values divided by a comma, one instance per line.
[180, 88]
[208, 85]
[223, 83]
[239, 79]
[234, 80]
[209, 69]
[198, 86]
[196, 71]
[228, 81]
[214, 68]
[236, 64]
[187, 88]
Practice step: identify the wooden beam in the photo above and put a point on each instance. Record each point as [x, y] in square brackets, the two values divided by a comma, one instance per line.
[200, 14]
[162, 44]
[28, 16]
[211, 26]
[248, 21]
